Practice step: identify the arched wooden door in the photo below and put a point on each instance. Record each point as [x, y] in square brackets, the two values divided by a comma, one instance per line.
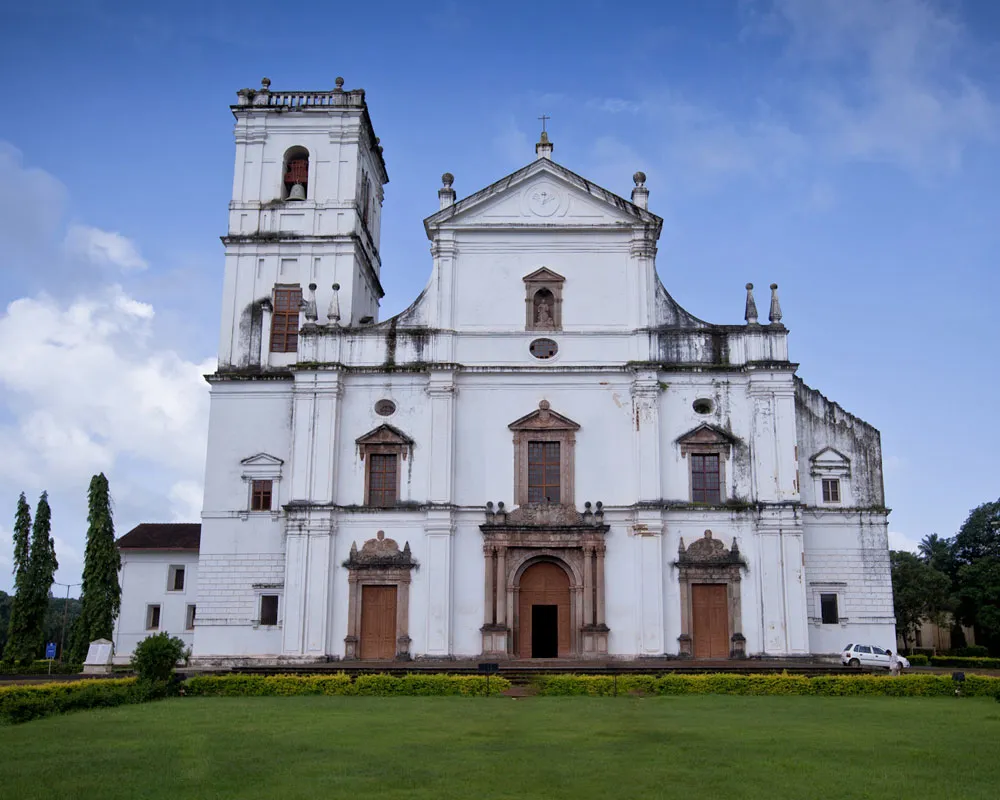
[543, 624]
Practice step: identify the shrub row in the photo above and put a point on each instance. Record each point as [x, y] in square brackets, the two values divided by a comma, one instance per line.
[968, 663]
[972, 651]
[341, 684]
[718, 683]
[918, 660]
[23, 703]
[40, 667]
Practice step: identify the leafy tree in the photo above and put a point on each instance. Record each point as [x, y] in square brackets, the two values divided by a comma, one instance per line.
[101, 597]
[18, 646]
[41, 572]
[919, 592]
[977, 556]
[6, 601]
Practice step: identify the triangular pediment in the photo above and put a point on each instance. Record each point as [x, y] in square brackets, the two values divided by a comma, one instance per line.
[829, 455]
[544, 275]
[385, 434]
[262, 460]
[544, 419]
[543, 194]
[706, 434]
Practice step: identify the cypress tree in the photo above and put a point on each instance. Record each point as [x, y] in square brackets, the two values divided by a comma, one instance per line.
[101, 597]
[41, 572]
[19, 631]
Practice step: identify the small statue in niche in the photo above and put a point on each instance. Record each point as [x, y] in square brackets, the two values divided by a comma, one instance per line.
[543, 316]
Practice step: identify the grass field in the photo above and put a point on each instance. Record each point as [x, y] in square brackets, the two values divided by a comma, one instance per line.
[483, 749]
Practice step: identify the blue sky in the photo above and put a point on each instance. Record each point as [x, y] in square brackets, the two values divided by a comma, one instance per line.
[846, 149]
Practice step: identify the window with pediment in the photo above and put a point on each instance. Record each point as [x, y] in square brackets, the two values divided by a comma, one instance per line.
[544, 452]
[543, 300]
[707, 450]
[382, 451]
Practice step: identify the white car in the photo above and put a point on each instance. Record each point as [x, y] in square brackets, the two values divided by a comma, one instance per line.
[868, 655]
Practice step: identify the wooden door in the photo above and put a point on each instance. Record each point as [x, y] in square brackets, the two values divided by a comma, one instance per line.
[378, 622]
[710, 620]
[544, 584]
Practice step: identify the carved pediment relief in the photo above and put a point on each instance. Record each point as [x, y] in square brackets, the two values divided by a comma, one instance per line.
[544, 419]
[384, 438]
[542, 193]
[546, 515]
[708, 551]
[379, 553]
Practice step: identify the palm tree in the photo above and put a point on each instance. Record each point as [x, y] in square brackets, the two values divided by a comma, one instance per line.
[936, 552]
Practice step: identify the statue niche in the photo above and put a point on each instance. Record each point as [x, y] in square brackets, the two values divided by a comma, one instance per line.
[543, 300]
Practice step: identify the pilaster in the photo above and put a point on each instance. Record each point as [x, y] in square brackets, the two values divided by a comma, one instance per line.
[438, 531]
[648, 539]
[309, 555]
[441, 390]
[646, 434]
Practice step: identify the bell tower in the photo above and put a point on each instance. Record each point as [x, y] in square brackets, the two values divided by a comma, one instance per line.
[306, 211]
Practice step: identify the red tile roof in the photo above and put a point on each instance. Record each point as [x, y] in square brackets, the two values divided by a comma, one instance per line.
[162, 536]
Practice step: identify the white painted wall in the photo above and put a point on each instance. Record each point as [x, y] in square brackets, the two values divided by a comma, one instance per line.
[631, 363]
[143, 579]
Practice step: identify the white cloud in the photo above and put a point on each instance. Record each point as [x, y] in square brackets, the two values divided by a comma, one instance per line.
[186, 499]
[890, 84]
[88, 389]
[512, 143]
[901, 541]
[104, 248]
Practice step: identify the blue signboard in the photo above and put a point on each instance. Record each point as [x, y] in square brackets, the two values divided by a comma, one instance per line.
[50, 650]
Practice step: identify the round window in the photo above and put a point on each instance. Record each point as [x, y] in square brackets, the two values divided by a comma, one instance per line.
[385, 408]
[543, 348]
[702, 406]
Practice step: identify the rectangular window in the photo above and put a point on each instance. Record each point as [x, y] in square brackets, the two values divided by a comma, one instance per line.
[260, 495]
[383, 479]
[705, 482]
[189, 619]
[543, 472]
[285, 319]
[269, 609]
[831, 490]
[828, 608]
[152, 618]
[175, 579]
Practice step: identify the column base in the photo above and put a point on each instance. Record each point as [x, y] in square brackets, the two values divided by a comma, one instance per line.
[495, 641]
[685, 647]
[595, 641]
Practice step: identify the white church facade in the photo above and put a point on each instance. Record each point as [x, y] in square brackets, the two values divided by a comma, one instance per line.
[544, 456]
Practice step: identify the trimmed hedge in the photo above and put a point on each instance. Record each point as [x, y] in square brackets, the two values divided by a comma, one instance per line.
[341, 684]
[968, 663]
[720, 683]
[972, 651]
[40, 667]
[918, 660]
[23, 703]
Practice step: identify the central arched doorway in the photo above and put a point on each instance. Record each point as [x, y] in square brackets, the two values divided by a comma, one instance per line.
[543, 623]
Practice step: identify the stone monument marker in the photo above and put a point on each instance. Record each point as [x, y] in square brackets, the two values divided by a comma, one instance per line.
[98, 661]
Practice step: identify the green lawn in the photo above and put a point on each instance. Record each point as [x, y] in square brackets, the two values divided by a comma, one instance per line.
[482, 749]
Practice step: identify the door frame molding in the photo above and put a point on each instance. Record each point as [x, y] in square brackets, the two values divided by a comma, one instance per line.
[379, 563]
[708, 560]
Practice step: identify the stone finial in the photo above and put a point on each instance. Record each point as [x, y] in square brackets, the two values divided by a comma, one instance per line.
[544, 147]
[265, 84]
[680, 546]
[308, 306]
[640, 194]
[599, 512]
[333, 312]
[446, 195]
[354, 550]
[775, 315]
[751, 313]
[339, 84]
[544, 405]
